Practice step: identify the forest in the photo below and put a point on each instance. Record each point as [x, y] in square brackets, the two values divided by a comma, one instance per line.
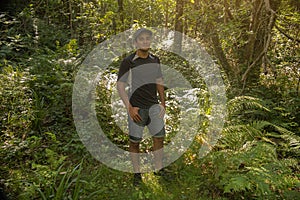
[254, 45]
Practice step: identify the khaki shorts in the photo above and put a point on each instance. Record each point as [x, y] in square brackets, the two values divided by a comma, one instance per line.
[151, 119]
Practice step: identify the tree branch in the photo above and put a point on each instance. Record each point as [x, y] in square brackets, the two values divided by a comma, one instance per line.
[272, 13]
[286, 34]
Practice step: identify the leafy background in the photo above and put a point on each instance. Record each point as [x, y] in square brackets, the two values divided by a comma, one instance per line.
[43, 44]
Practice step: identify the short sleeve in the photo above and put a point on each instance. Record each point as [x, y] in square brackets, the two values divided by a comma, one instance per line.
[159, 73]
[124, 68]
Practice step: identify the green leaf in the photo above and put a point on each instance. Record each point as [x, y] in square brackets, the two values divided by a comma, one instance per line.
[237, 184]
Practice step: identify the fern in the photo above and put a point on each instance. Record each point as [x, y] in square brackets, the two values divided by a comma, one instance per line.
[241, 103]
[257, 156]
[255, 171]
[237, 184]
[236, 136]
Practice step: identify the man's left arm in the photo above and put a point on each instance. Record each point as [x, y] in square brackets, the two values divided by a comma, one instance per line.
[161, 92]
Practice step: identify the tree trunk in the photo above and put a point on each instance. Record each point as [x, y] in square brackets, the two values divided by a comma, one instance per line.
[260, 29]
[178, 26]
[166, 14]
[71, 18]
[121, 14]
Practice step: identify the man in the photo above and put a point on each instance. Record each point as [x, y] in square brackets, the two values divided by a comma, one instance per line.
[141, 70]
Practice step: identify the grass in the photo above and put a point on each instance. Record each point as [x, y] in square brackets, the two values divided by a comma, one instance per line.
[100, 182]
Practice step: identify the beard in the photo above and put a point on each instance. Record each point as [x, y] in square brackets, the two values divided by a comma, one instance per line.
[144, 50]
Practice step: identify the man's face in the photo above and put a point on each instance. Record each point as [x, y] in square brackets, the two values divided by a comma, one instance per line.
[143, 41]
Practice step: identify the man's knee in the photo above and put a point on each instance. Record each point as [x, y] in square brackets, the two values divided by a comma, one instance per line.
[158, 139]
[134, 144]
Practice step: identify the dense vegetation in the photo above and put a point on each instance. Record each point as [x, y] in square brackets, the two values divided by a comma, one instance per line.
[256, 44]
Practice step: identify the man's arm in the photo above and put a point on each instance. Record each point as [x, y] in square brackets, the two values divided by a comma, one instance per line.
[161, 92]
[133, 111]
[122, 93]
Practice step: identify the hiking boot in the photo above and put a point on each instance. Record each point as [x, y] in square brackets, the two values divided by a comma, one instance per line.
[137, 179]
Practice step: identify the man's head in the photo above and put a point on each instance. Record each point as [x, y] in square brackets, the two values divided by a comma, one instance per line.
[142, 39]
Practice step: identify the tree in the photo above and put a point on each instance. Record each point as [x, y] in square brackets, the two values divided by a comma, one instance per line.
[178, 25]
[239, 36]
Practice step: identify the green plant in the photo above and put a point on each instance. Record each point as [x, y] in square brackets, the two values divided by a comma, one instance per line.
[64, 184]
[256, 159]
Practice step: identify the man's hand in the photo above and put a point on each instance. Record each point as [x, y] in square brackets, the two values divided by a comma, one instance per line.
[134, 114]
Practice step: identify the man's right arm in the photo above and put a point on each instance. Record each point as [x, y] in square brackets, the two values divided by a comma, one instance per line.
[133, 111]
[122, 93]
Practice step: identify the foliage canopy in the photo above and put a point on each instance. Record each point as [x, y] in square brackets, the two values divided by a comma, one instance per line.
[255, 43]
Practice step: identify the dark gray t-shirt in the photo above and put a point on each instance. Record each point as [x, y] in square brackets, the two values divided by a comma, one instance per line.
[141, 75]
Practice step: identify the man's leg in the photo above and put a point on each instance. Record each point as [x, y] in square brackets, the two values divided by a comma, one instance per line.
[157, 130]
[158, 159]
[135, 137]
[158, 152]
[134, 148]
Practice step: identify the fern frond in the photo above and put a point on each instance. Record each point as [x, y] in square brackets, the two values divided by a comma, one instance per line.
[236, 136]
[242, 103]
[264, 125]
[238, 183]
[287, 138]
